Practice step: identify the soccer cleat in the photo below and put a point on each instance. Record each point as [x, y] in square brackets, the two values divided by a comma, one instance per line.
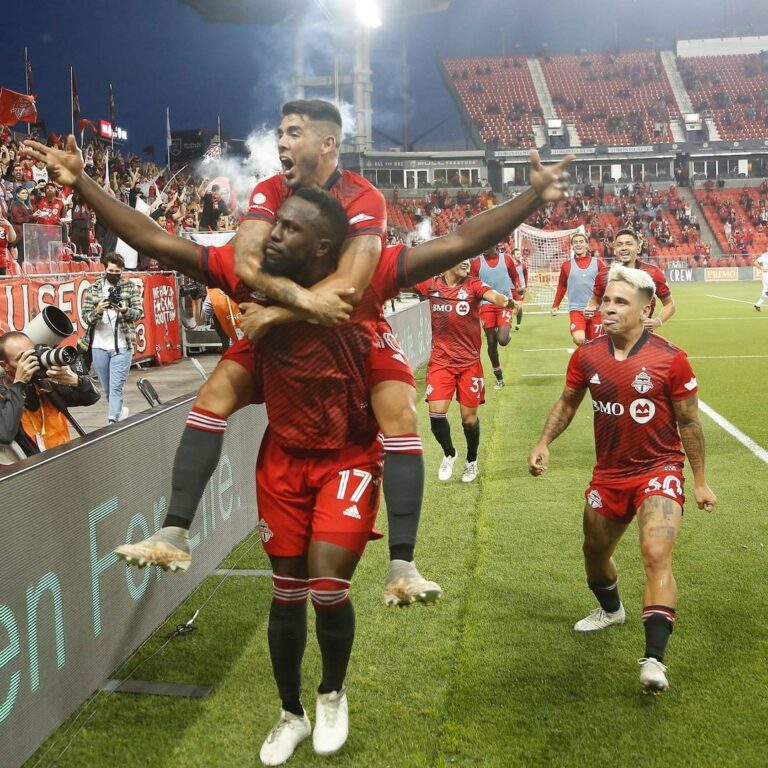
[471, 471]
[756, 307]
[405, 587]
[446, 468]
[600, 619]
[288, 732]
[331, 722]
[156, 550]
[517, 327]
[653, 676]
[499, 384]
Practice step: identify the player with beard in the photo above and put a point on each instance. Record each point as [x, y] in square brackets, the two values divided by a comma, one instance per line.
[645, 403]
[498, 270]
[577, 277]
[626, 250]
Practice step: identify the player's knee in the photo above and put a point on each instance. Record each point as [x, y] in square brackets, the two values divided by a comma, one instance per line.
[578, 338]
[470, 422]
[328, 593]
[226, 391]
[657, 555]
[594, 549]
[399, 419]
[504, 338]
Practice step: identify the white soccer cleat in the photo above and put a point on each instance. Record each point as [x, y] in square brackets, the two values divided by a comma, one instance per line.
[499, 384]
[600, 619]
[411, 587]
[155, 551]
[446, 468]
[653, 676]
[288, 732]
[331, 722]
[470, 473]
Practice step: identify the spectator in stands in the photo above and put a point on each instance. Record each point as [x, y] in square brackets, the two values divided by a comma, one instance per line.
[33, 402]
[213, 206]
[7, 239]
[110, 309]
[80, 228]
[20, 213]
[50, 210]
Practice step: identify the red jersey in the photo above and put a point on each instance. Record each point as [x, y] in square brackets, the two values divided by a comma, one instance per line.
[659, 281]
[52, 212]
[4, 230]
[582, 286]
[363, 203]
[455, 312]
[315, 379]
[635, 425]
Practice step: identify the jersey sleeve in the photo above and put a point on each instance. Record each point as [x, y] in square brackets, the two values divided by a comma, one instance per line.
[512, 272]
[562, 283]
[479, 288]
[265, 200]
[367, 214]
[423, 287]
[660, 280]
[574, 376]
[217, 265]
[474, 267]
[386, 279]
[682, 379]
[601, 280]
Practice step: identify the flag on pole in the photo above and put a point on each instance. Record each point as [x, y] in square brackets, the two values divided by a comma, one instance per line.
[112, 118]
[107, 185]
[218, 120]
[168, 139]
[75, 97]
[28, 72]
[16, 107]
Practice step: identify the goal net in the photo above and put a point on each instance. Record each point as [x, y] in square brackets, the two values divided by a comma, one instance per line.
[545, 251]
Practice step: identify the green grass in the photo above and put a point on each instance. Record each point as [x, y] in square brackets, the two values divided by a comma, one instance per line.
[494, 676]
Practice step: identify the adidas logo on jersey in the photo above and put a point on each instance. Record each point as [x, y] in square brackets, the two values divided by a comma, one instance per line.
[595, 379]
[352, 512]
[360, 217]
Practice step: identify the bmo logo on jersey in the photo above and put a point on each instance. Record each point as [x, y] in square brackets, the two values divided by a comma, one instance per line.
[642, 410]
[441, 307]
[609, 408]
[462, 308]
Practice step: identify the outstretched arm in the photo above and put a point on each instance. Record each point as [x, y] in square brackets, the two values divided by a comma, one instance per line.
[139, 231]
[548, 184]
[559, 418]
[692, 436]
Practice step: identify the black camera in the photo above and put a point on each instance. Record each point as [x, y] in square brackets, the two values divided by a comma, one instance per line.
[48, 356]
[114, 296]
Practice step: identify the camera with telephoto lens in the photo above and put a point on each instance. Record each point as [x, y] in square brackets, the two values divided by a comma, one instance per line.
[48, 356]
[114, 296]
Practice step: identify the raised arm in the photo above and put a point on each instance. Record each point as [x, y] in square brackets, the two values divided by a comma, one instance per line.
[478, 234]
[692, 436]
[559, 418]
[139, 231]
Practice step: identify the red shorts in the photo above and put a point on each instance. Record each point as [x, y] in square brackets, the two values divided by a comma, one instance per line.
[618, 499]
[244, 354]
[467, 383]
[307, 496]
[592, 327]
[492, 316]
[387, 361]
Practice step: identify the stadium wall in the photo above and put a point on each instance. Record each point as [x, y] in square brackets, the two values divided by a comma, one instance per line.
[412, 328]
[711, 274]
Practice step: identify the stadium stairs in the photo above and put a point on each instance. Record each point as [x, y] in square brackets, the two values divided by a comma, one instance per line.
[707, 234]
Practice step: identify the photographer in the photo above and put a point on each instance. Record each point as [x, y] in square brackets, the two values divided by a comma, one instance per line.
[110, 308]
[33, 398]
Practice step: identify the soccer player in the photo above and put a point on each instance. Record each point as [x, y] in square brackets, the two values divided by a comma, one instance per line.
[761, 262]
[626, 249]
[577, 278]
[518, 294]
[644, 398]
[454, 363]
[499, 272]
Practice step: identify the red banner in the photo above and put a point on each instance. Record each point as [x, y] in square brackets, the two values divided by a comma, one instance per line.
[16, 108]
[158, 333]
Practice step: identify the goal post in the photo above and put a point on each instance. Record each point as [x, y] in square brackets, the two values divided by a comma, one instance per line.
[544, 251]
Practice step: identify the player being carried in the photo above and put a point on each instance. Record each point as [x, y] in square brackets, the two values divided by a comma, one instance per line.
[644, 398]
[497, 270]
[577, 279]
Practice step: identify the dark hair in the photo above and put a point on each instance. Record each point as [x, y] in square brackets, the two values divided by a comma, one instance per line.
[333, 222]
[5, 338]
[630, 232]
[579, 234]
[113, 258]
[314, 109]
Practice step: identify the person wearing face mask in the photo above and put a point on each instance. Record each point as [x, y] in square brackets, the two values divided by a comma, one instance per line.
[111, 307]
[19, 214]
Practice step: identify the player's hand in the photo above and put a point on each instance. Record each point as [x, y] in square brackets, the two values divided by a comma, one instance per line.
[550, 182]
[102, 306]
[64, 165]
[329, 306]
[254, 321]
[554, 311]
[651, 323]
[27, 367]
[705, 497]
[589, 312]
[538, 460]
[62, 374]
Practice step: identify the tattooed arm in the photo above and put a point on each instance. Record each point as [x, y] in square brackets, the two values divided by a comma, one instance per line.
[692, 435]
[559, 418]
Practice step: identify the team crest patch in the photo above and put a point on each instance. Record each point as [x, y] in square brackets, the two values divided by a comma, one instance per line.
[259, 199]
[264, 531]
[594, 500]
[430, 389]
[642, 382]
[462, 295]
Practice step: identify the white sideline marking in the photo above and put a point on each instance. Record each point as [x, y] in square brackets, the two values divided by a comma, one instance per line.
[535, 375]
[727, 357]
[745, 440]
[549, 349]
[728, 298]
[702, 320]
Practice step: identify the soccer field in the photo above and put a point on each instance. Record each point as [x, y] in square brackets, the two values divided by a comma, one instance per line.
[494, 675]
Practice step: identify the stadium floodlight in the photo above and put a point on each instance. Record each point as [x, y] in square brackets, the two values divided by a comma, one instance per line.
[368, 13]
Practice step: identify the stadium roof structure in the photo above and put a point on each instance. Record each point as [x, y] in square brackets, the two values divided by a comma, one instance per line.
[269, 12]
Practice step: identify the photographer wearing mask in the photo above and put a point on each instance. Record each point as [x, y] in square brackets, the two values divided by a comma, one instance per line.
[34, 397]
[110, 309]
